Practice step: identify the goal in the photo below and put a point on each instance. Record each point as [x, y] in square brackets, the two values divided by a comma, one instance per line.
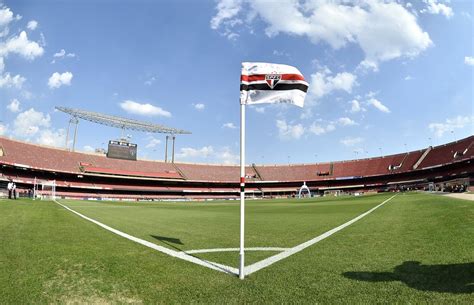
[48, 190]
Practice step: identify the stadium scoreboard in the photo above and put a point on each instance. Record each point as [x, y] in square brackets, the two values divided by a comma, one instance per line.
[122, 150]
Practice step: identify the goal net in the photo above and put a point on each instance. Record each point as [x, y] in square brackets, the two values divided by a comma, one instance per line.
[48, 190]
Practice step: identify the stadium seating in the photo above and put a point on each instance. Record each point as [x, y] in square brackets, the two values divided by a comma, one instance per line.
[444, 154]
[95, 174]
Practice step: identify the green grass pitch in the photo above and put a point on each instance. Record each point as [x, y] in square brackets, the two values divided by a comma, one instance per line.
[417, 248]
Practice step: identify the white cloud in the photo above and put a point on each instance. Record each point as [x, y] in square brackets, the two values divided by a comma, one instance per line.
[229, 125]
[57, 80]
[225, 18]
[153, 142]
[52, 137]
[32, 25]
[188, 152]
[377, 104]
[469, 60]
[226, 156]
[14, 105]
[150, 81]
[318, 129]
[35, 125]
[222, 155]
[287, 131]
[61, 55]
[355, 106]
[345, 121]
[88, 148]
[7, 81]
[408, 77]
[323, 83]
[466, 15]
[459, 122]
[349, 141]
[384, 30]
[436, 8]
[6, 16]
[22, 46]
[259, 109]
[30, 122]
[143, 109]
[199, 106]
[3, 129]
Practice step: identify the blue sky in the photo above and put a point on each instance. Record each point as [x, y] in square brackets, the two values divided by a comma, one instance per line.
[385, 76]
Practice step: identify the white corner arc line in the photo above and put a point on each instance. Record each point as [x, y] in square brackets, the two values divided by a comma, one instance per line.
[278, 257]
[176, 254]
[277, 249]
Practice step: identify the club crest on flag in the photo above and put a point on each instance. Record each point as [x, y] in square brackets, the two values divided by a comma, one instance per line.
[272, 79]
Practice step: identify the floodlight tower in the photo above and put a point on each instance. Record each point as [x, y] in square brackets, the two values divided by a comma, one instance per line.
[72, 120]
[119, 122]
[166, 149]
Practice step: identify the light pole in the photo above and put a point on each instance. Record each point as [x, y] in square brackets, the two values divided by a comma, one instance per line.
[172, 151]
[166, 149]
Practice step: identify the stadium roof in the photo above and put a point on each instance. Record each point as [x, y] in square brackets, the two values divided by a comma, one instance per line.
[118, 122]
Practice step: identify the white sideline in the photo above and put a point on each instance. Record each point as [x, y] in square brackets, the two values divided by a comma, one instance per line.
[235, 249]
[278, 257]
[180, 255]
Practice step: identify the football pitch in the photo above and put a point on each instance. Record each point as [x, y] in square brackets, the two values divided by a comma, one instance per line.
[415, 248]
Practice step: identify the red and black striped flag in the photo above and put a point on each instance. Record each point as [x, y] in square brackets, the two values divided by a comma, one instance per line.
[271, 83]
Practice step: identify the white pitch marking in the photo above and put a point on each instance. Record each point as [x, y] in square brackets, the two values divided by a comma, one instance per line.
[278, 257]
[286, 252]
[235, 249]
[180, 255]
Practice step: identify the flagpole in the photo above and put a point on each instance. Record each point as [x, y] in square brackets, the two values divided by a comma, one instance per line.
[242, 191]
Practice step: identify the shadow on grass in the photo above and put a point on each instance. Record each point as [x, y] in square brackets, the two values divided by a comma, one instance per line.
[169, 241]
[452, 278]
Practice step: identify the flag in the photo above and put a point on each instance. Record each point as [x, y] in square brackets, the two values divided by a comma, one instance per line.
[271, 83]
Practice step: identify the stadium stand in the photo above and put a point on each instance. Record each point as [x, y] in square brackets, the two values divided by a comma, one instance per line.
[447, 153]
[86, 175]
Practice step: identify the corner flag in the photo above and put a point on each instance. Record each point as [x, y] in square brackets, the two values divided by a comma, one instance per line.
[271, 83]
[264, 83]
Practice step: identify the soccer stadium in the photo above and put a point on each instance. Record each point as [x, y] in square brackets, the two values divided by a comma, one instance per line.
[343, 179]
[96, 177]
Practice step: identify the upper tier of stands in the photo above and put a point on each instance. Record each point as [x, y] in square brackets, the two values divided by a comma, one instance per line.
[448, 153]
[59, 160]
[35, 156]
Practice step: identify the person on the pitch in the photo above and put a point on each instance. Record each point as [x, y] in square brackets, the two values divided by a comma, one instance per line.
[10, 188]
[14, 191]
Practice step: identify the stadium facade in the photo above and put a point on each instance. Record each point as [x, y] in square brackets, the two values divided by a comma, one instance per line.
[94, 176]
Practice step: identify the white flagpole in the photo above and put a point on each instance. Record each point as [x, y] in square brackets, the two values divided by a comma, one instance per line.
[242, 190]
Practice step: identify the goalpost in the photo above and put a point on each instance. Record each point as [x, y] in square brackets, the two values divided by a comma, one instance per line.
[48, 189]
